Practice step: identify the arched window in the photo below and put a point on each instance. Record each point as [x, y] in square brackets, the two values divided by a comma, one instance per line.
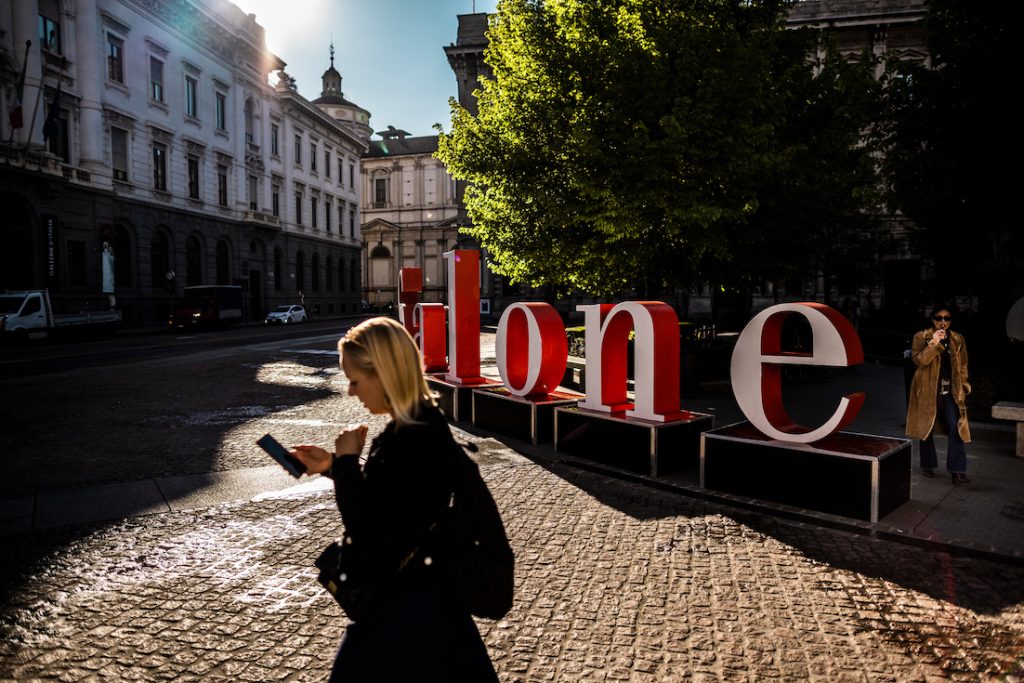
[329, 273]
[380, 251]
[122, 257]
[353, 276]
[159, 259]
[277, 270]
[314, 265]
[193, 261]
[223, 263]
[300, 271]
[341, 274]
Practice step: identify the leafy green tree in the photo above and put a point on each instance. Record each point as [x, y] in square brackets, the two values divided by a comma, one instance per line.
[815, 208]
[953, 149]
[639, 140]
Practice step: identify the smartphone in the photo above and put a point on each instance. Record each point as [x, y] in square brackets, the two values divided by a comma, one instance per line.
[279, 453]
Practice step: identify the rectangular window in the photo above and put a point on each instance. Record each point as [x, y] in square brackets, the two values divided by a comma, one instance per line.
[193, 177]
[312, 211]
[312, 157]
[222, 184]
[273, 139]
[351, 222]
[341, 217]
[191, 97]
[298, 150]
[327, 163]
[49, 34]
[275, 200]
[380, 193]
[341, 171]
[119, 153]
[160, 166]
[222, 111]
[352, 176]
[327, 214]
[298, 208]
[156, 79]
[253, 192]
[115, 59]
[58, 142]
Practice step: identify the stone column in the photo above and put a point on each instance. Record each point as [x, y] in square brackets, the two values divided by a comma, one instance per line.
[90, 75]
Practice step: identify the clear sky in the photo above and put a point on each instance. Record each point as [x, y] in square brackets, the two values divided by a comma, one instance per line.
[390, 53]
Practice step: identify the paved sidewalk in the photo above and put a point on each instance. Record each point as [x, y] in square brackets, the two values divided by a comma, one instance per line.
[984, 518]
[616, 581]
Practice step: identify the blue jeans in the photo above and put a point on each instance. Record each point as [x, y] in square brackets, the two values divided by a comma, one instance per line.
[956, 453]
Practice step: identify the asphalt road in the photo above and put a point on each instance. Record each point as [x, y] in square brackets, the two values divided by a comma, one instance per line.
[58, 354]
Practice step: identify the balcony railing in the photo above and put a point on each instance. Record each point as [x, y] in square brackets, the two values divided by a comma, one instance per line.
[262, 219]
[30, 159]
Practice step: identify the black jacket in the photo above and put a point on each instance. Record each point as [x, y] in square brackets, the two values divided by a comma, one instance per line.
[389, 505]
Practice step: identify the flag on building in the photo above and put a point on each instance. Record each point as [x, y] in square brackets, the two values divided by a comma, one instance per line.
[14, 111]
[51, 127]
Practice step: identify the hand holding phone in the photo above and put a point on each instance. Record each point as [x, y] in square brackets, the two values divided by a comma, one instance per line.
[279, 453]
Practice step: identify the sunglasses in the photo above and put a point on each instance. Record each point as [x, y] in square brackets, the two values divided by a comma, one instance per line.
[942, 318]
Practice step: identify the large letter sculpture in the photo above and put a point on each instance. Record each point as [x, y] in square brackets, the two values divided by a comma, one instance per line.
[531, 349]
[656, 359]
[410, 284]
[430, 336]
[463, 317]
[757, 368]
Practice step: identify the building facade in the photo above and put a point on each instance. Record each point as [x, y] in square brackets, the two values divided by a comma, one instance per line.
[409, 216]
[167, 146]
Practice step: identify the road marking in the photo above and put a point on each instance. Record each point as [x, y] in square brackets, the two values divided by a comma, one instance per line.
[313, 352]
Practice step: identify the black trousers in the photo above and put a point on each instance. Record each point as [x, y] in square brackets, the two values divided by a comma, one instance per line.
[418, 636]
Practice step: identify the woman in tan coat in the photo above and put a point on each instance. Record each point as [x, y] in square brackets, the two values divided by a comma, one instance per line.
[937, 395]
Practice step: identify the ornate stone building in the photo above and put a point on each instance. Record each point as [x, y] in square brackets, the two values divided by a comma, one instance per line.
[166, 139]
[409, 215]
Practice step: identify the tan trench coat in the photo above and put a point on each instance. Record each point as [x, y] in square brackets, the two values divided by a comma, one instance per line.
[924, 388]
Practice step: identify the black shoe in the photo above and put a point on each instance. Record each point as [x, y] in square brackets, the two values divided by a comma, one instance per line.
[928, 472]
[959, 478]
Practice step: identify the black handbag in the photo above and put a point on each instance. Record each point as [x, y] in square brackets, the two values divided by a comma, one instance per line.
[357, 598]
[356, 595]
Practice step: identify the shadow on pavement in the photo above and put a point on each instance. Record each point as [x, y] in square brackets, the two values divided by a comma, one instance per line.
[94, 438]
[981, 585]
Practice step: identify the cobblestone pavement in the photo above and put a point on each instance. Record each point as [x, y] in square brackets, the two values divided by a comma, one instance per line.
[615, 581]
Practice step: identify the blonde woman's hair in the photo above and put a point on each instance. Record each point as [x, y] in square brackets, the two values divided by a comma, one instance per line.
[383, 347]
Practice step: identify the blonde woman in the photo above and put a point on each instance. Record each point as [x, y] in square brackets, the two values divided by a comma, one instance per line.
[418, 630]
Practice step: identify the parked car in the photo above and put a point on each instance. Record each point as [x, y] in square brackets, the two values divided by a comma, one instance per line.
[286, 314]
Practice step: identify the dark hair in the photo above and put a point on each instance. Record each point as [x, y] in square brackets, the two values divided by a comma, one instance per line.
[942, 307]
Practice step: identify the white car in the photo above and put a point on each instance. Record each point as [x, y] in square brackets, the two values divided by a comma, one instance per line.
[285, 315]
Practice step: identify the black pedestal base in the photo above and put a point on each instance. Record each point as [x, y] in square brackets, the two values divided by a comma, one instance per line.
[654, 448]
[853, 475]
[526, 419]
[456, 400]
